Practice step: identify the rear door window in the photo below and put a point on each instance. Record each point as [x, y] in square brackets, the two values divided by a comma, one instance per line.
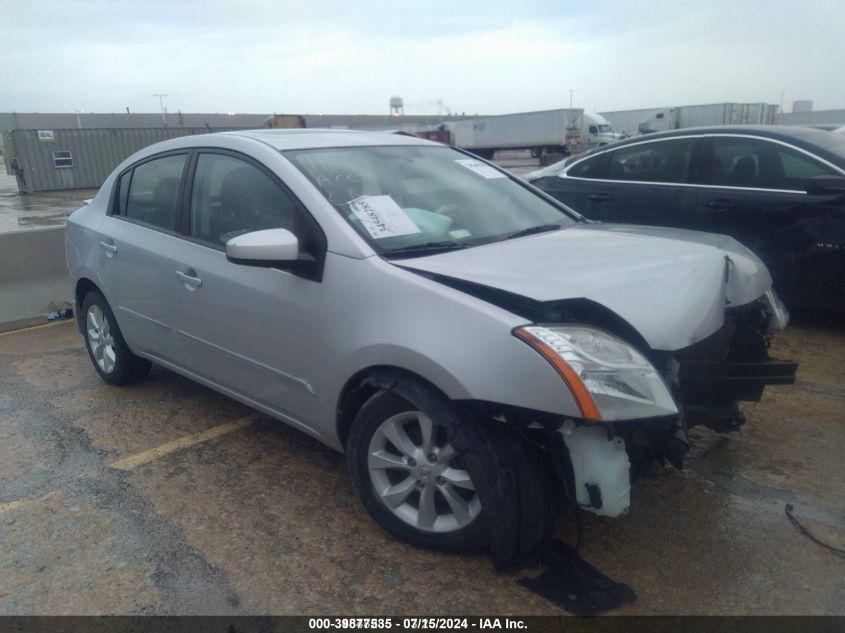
[153, 191]
[660, 161]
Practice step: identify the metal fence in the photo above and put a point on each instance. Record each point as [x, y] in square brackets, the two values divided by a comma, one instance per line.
[50, 160]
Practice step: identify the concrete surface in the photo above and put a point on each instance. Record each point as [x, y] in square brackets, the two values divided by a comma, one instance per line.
[34, 279]
[33, 272]
[168, 498]
[517, 162]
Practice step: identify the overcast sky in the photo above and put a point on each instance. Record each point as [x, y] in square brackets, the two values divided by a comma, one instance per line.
[349, 57]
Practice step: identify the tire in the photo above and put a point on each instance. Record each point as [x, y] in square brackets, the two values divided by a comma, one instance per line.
[417, 479]
[509, 481]
[112, 358]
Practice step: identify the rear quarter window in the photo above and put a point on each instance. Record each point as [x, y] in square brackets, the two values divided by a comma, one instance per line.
[123, 192]
[588, 168]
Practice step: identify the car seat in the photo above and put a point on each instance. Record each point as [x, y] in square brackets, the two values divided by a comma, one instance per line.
[744, 170]
[248, 201]
[165, 195]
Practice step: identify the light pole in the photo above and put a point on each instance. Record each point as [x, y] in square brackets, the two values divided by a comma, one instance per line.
[78, 121]
[161, 102]
[570, 98]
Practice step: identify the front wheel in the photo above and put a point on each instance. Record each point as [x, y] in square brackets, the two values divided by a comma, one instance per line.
[411, 478]
[108, 351]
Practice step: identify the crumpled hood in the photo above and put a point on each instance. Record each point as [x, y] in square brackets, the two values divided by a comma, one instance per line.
[672, 285]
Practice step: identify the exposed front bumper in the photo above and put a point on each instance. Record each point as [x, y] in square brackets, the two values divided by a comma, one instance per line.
[711, 377]
[743, 380]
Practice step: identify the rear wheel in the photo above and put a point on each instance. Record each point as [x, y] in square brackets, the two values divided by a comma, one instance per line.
[108, 351]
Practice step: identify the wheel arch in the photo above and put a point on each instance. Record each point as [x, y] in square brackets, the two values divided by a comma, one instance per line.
[366, 382]
[83, 286]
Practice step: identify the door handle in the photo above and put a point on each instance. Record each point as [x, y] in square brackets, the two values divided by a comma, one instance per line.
[599, 197]
[110, 249]
[192, 282]
[720, 203]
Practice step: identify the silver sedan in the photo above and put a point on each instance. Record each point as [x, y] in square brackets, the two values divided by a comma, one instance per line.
[475, 347]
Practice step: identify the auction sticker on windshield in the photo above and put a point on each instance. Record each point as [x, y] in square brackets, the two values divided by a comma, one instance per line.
[382, 217]
[482, 169]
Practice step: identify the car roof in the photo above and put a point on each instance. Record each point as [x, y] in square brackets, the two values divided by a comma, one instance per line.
[308, 138]
[820, 142]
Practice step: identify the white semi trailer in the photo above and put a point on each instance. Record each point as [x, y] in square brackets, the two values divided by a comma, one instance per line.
[711, 114]
[566, 131]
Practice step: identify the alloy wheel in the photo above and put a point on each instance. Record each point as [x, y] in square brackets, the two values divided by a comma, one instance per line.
[416, 474]
[100, 338]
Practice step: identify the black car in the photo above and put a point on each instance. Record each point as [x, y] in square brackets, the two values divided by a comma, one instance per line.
[778, 190]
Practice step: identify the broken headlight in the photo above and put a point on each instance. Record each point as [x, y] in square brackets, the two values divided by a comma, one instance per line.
[776, 309]
[609, 378]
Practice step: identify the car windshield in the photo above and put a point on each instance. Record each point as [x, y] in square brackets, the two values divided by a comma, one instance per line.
[404, 199]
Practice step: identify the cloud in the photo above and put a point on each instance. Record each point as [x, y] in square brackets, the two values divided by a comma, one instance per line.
[349, 57]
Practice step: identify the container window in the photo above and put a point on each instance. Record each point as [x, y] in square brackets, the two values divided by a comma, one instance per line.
[62, 160]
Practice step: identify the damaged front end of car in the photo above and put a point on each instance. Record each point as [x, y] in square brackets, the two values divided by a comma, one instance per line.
[652, 330]
[732, 365]
[637, 403]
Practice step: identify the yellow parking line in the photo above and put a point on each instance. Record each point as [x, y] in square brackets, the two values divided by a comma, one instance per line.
[144, 457]
[14, 505]
[23, 330]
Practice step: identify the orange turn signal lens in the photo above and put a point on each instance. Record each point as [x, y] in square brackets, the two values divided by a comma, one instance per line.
[589, 410]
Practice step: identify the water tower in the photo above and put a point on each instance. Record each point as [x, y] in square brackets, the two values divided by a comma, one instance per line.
[397, 106]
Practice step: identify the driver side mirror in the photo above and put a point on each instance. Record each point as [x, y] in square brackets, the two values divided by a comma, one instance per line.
[825, 186]
[270, 247]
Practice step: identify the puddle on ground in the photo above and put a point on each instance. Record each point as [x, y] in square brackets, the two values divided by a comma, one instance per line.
[45, 209]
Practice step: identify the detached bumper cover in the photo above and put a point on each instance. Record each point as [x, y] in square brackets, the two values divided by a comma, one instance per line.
[740, 378]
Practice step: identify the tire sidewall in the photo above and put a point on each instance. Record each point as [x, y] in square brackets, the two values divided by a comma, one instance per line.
[125, 364]
[380, 407]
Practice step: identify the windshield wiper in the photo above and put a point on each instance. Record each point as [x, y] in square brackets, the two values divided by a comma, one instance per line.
[531, 230]
[427, 247]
